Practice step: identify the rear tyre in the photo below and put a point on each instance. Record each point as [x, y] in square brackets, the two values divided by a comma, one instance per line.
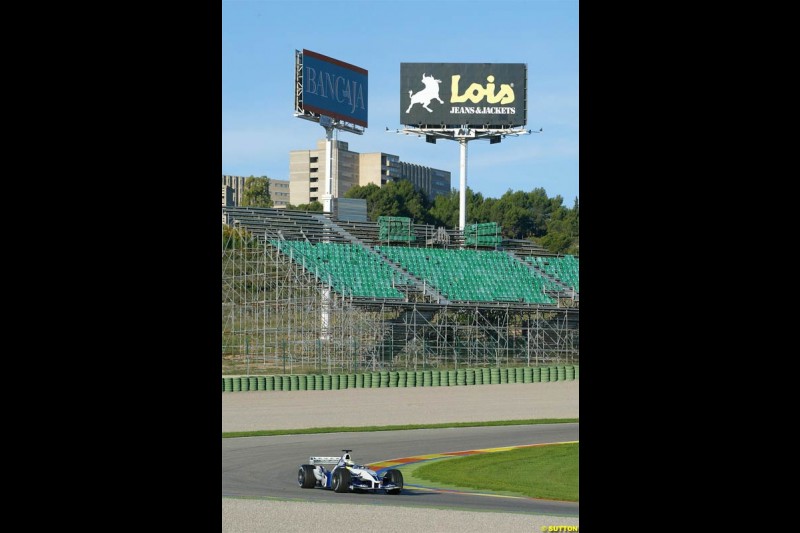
[396, 477]
[341, 480]
[305, 477]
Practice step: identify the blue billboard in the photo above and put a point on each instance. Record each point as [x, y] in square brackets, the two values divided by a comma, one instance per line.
[333, 88]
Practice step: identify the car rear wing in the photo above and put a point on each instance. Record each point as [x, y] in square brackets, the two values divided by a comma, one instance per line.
[323, 460]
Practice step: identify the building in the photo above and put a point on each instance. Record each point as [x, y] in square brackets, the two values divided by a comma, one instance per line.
[227, 196]
[279, 192]
[307, 173]
[233, 189]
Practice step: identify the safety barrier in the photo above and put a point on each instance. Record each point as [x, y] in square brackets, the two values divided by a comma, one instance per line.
[402, 378]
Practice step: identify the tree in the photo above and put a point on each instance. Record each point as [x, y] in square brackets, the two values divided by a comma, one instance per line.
[444, 211]
[395, 199]
[367, 192]
[234, 238]
[256, 192]
[562, 231]
[314, 206]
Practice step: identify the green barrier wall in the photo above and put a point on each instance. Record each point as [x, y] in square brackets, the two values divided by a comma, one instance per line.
[402, 378]
[545, 374]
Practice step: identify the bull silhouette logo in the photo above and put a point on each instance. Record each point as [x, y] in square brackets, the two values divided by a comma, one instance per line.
[427, 94]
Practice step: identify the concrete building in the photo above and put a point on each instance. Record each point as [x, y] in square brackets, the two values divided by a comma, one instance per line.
[307, 173]
[227, 196]
[233, 189]
[279, 192]
[233, 197]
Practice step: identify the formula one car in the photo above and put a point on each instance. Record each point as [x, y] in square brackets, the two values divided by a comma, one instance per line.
[346, 476]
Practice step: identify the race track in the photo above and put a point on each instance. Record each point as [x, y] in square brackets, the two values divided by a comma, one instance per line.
[266, 467]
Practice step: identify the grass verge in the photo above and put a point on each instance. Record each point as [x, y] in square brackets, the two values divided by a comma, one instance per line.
[549, 472]
[340, 429]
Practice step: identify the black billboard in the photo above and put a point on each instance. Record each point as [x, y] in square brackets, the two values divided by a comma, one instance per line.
[449, 95]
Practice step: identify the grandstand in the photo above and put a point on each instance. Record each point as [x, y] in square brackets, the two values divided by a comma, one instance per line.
[304, 292]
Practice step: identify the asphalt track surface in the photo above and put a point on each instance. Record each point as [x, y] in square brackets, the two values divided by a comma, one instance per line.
[266, 467]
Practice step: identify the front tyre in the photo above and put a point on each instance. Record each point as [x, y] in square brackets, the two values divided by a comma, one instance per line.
[305, 477]
[395, 477]
[341, 480]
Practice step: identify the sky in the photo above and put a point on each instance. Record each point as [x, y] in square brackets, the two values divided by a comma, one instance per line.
[259, 39]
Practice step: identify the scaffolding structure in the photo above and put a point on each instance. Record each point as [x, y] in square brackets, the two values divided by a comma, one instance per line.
[272, 310]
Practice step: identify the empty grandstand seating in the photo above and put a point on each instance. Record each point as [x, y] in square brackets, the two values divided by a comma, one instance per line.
[348, 268]
[351, 258]
[563, 269]
[473, 275]
[266, 224]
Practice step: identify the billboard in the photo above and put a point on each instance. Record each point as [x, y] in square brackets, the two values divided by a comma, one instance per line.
[449, 95]
[327, 86]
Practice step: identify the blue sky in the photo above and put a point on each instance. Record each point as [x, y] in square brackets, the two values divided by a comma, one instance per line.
[259, 39]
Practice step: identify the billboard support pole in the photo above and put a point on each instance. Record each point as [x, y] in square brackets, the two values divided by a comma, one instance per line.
[462, 198]
[463, 135]
[327, 123]
[311, 103]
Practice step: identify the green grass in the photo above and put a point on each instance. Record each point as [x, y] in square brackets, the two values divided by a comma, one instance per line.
[549, 472]
[345, 429]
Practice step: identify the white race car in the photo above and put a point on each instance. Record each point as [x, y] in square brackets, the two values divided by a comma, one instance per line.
[346, 475]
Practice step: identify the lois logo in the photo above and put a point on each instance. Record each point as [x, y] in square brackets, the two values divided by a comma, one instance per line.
[475, 92]
[424, 97]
